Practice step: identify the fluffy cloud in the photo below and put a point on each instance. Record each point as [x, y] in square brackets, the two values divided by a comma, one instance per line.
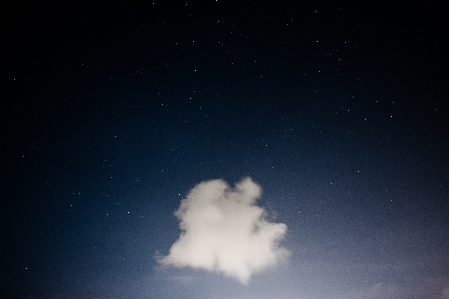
[224, 230]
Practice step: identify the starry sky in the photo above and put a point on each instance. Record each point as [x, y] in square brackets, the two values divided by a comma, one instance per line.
[115, 113]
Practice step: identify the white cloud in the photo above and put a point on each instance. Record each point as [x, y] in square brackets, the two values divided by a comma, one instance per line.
[224, 230]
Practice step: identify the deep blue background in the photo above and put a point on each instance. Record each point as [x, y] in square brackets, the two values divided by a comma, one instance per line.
[111, 112]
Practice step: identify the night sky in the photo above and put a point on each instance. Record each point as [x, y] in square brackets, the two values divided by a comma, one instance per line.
[115, 114]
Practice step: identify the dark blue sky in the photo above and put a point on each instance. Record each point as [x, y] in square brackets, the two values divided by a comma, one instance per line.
[112, 112]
